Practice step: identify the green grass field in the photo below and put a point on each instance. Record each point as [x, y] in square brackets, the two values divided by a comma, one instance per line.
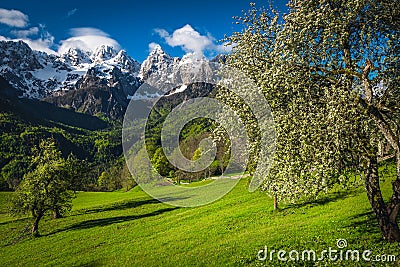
[131, 229]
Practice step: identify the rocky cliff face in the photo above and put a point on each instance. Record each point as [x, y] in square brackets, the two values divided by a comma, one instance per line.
[18, 65]
[166, 73]
[40, 75]
[101, 81]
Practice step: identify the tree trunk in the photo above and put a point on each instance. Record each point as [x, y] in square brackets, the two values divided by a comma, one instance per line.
[56, 214]
[35, 226]
[387, 224]
[275, 202]
[394, 204]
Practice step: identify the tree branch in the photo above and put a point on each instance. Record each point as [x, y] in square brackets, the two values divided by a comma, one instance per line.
[365, 81]
[385, 128]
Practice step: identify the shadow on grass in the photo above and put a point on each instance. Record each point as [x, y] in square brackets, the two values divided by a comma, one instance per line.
[331, 197]
[118, 219]
[118, 206]
[124, 205]
[15, 220]
[108, 221]
[365, 223]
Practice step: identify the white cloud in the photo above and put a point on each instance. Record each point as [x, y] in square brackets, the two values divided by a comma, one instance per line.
[71, 12]
[84, 31]
[186, 37]
[42, 41]
[191, 40]
[25, 33]
[87, 39]
[152, 46]
[40, 44]
[13, 18]
[224, 48]
[38, 38]
[163, 33]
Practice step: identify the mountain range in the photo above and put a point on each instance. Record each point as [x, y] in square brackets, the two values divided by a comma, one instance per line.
[102, 81]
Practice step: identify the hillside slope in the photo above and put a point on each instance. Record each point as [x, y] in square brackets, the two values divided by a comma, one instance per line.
[131, 229]
[25, 122]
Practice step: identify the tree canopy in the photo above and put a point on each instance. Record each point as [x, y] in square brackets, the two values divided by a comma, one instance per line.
[330, 71]
[46, 187]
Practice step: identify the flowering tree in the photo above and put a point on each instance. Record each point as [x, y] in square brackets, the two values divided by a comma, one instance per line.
[330, 71]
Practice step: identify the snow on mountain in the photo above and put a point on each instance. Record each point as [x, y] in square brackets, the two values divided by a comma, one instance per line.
[158, 68]
[192, 58]
[17, 62]
[123, 61]
[110, 76]
[146, 96]
[180, 89]
[158, 62]
[103, 53]
[76, 57]
[39, 75]
[165, 73]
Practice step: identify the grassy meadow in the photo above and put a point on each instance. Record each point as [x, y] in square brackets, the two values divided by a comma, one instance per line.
[132, 229]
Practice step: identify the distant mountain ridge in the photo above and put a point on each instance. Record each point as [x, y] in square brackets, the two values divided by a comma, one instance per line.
[100, 81]
[40, 75]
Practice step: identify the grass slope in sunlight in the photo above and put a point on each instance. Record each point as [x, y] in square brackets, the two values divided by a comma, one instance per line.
[131, 229]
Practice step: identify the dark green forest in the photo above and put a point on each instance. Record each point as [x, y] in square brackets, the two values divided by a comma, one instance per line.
[95, 142]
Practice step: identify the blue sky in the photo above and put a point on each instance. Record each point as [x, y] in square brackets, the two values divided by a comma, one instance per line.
[178, 26]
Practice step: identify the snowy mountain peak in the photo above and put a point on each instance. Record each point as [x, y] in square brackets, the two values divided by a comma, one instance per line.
[39, 75]
[159, 54]
[157, 49]
[123, 58]
[192, 58]
[103, 53]
[18, 55]
[76, 57]
[125, 62]
[157, 62]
